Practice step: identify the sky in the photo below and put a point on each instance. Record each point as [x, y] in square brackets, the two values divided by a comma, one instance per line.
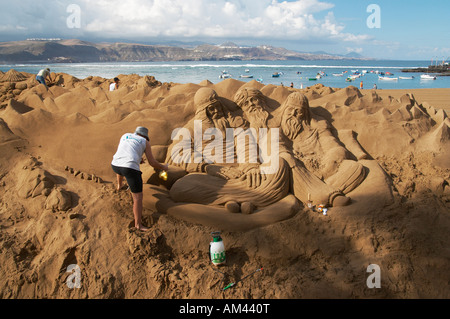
[381, 29]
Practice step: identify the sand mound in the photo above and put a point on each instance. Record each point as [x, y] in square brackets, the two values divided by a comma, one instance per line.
[228, 88]
[59, 208]
[19, 107]
[66, 80]
[6, 134]
[13, 76]
[206, 83]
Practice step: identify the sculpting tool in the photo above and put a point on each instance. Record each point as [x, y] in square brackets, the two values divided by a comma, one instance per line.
[234, 283]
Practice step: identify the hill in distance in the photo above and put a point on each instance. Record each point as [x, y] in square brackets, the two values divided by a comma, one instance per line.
[74, 50]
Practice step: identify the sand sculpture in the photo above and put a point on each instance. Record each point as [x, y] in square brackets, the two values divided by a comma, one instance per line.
[319, 157]
[205, 188]
[236, 185]
[310, 138]
[383, 154]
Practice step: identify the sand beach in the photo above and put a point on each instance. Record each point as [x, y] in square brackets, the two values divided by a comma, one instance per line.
[58, 205]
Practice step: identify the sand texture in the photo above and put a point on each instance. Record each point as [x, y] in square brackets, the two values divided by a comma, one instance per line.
[380, 161]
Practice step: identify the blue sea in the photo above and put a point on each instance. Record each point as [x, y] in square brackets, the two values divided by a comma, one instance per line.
[298, 73]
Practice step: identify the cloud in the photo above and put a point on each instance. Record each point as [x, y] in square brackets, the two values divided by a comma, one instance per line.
[355, 50]
[144, 19]
[22, 17]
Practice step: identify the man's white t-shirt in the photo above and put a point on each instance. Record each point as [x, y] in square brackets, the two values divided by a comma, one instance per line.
[129, 152]
[43, 73]
[112, 86]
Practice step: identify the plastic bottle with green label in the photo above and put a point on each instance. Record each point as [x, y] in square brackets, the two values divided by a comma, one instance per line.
[217, 249]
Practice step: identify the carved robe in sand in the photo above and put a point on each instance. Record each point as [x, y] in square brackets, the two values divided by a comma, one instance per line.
[203, 188]
[322, 168]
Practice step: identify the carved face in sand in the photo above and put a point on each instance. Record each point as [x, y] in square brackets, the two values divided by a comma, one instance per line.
[253, 104]
[209, 109]
[295, 115]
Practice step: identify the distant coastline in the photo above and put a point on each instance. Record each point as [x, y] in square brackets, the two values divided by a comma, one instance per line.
[77, 51]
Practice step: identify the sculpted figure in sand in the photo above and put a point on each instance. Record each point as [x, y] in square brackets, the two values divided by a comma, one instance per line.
[305, 138]
[238, 184]
[253, 105]
[300, 134]
[244, 186]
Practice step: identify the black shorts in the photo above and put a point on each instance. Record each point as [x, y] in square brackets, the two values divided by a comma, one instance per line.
[134, 177]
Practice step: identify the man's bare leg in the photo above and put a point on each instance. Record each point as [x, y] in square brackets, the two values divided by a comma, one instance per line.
[119, 182]
[137, 211]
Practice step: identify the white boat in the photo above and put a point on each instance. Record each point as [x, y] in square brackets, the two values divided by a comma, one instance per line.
[406, 77]
[248, 76]
[224, 75]
[338, 74]
[427, 77]
[384, 78]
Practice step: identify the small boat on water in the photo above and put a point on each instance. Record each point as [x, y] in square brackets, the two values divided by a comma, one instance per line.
[338, 74]
[224, 75]
[427, 77]
[406, 77]
[248, 76]
[276, 74]
[353, 77]
[384, 78]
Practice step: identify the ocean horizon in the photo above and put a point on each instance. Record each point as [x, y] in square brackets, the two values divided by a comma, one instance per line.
[299, 73]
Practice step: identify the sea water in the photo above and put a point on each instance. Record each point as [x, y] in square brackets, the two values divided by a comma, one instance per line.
[299, 73]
